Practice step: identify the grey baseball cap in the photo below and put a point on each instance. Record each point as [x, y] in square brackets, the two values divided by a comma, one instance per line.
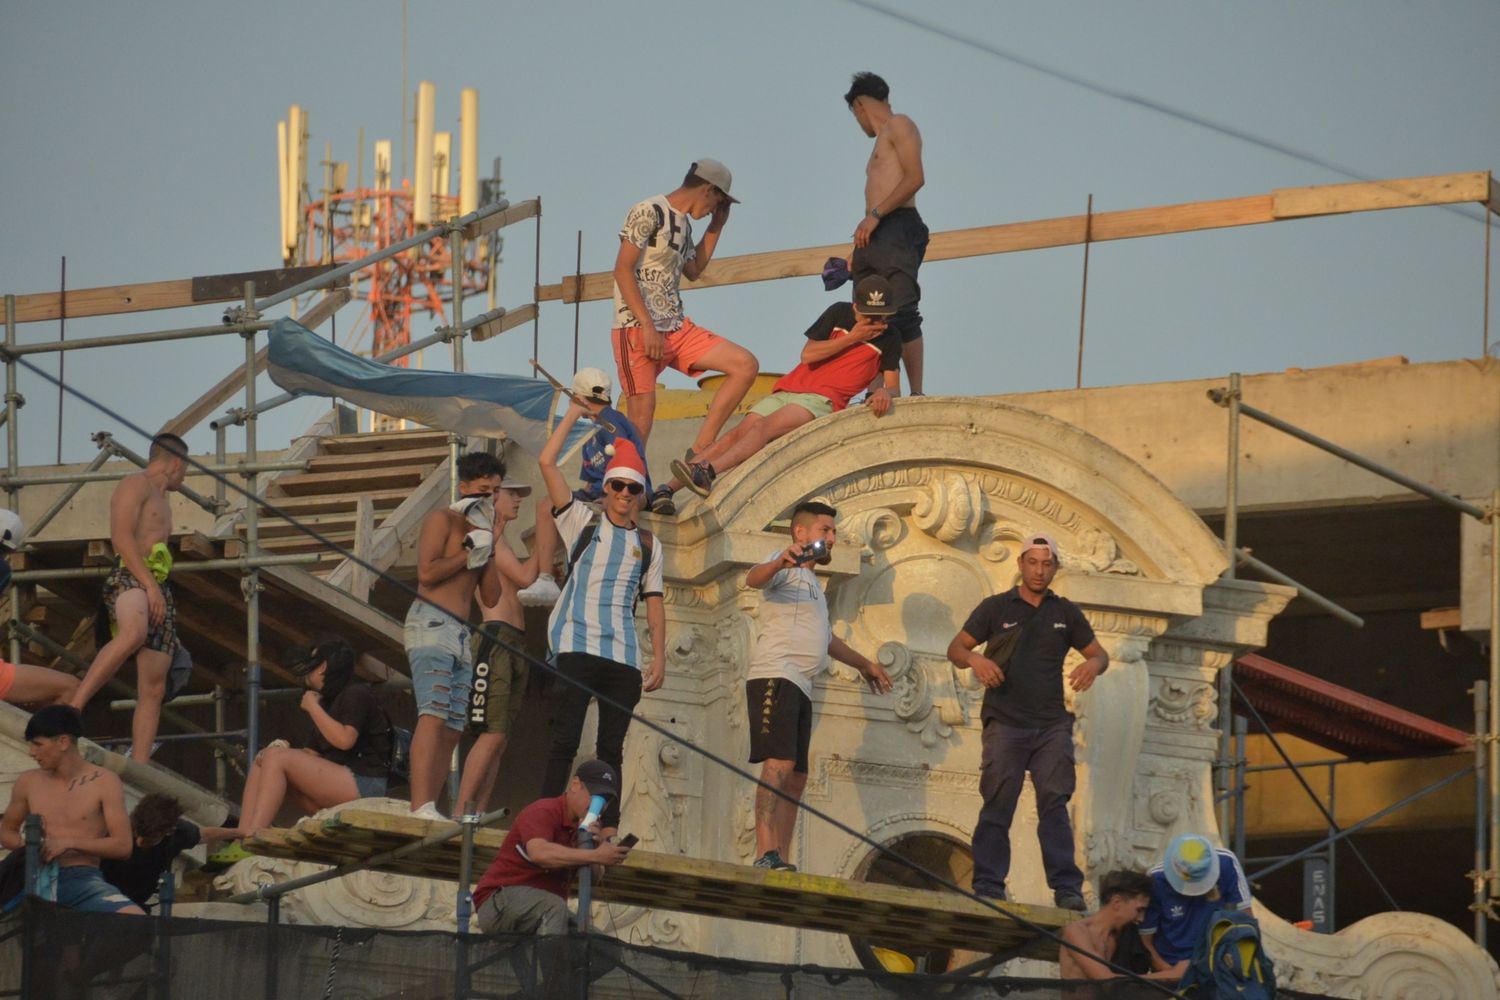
[716, 174]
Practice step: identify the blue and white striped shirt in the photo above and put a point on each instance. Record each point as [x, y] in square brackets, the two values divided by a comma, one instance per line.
[596, 612]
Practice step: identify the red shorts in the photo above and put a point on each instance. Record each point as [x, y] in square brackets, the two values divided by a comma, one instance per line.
[7, 677]
[684, 348]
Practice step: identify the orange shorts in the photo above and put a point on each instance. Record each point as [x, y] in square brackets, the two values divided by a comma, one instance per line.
[7, 677]
[684, 348]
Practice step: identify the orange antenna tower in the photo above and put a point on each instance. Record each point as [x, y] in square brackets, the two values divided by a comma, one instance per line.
[346, 224]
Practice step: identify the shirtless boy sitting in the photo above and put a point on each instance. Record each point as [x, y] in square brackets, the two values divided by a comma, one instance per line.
[1123, 897]
[82, 807]
[136, 594]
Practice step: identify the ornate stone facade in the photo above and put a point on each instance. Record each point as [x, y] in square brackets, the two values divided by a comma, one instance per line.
[932, 501]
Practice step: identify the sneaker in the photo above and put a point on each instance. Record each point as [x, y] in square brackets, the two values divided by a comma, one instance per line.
[775, 862]
[1067, 899]
[661, 502]
[226, 856]
[541, 594]
[429, 810]
[997, 896]
[698, 476]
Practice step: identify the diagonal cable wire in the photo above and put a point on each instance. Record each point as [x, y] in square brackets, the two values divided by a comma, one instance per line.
[645, 721]
[1141, 101]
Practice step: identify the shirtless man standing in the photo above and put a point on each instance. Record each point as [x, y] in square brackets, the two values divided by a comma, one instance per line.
[891, 239]
[136, 594]
[454, 557]
[82, 807]
[500, 674]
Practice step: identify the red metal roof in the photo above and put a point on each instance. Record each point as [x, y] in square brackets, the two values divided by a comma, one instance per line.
[1337, 718]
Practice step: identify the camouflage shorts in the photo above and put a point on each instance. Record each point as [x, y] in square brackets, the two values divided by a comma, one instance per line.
[162, 637]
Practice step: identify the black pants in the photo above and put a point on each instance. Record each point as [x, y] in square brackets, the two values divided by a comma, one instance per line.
[619, 683]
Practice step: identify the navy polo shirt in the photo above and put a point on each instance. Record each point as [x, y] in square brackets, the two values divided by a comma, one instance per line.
[1031, 696]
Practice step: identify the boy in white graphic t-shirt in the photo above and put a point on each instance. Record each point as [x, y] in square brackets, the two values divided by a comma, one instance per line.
[651, 331]
[794, 638]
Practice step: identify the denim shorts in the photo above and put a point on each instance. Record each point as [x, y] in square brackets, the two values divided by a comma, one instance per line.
[82, 887]
[370, 786]
[441, 662]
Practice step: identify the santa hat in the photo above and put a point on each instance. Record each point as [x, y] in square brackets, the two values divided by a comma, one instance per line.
[626, 463]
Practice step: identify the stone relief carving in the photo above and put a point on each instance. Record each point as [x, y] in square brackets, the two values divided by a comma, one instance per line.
[952, 507]
[363, 899]
[874, 530]
[926, 692]
[1194, 704]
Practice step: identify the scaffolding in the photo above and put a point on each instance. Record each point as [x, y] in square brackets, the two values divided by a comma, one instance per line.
[246, 321]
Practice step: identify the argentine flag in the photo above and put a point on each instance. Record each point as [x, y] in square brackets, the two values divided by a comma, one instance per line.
[512, 406]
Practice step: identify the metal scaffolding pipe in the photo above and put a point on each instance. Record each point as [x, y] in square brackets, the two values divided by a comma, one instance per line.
[250, 585]
[119, 449]
[209, 698]
[126, 339]
[83, 478]
[67, 494]
[1338, 611]
[1494, 730]
[12, 460]
[1481, 691]
[329, 277]
[1221, 397]
[195, 566]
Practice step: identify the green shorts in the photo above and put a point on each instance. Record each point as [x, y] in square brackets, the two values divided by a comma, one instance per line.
[812, 402]
[499, 679]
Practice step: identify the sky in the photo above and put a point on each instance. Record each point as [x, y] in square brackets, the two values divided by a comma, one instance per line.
[140, 143]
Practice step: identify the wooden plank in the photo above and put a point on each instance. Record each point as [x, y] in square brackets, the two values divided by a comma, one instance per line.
[330, 503]
[401, 525]
[512, 319]
[197, 545]
[336, 604]
[713, 888]
[380, 441]
[1442, 618]
[1494, 199]
[360, 578]
[1374, 196]
[1070, 230]
[224, 287]
[379, 459]
[129, 298]
[399, 477]
[528, 209]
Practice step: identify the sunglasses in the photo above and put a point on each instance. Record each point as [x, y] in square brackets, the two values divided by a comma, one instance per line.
[626, 486]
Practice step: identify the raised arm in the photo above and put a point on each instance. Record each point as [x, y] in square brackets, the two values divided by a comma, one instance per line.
[760, 576]
[866, 328]
[557, 485]
[704, 252]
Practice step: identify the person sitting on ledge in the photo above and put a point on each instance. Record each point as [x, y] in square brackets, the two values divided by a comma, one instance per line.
[347, 758]
[846, 348]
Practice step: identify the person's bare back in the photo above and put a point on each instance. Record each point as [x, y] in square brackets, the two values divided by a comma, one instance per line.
[884, 170]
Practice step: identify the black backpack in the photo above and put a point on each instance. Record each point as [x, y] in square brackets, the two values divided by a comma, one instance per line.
[1229, 962]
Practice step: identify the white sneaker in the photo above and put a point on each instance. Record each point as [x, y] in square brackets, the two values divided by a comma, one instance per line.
[541, 594]
[429, 810]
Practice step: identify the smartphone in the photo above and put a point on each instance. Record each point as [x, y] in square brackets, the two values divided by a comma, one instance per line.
[629, 840]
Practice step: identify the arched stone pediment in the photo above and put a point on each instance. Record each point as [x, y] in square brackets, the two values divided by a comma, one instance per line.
[961, 465]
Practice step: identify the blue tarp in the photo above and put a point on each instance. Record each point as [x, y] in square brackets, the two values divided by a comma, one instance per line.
[517, 407]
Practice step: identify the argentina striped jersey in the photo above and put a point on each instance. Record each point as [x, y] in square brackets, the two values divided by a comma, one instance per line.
[596, 612]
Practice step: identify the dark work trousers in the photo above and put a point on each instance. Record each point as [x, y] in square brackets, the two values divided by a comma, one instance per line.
[619, 683]
[1009, 752]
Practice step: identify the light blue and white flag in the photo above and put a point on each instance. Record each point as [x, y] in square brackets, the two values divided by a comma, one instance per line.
[522, 409]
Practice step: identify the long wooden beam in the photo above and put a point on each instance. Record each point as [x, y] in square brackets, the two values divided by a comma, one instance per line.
[1280, 205]
[141, 297]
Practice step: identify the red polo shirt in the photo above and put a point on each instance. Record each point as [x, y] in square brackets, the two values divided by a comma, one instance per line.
[544, 818]
[849, 372]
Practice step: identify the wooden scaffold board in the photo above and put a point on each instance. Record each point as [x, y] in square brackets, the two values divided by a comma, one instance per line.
[918, 917]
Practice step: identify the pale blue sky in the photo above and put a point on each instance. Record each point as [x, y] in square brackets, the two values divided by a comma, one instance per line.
[140, 141]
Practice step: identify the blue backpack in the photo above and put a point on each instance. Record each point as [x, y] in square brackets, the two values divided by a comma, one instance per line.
[1229, 962]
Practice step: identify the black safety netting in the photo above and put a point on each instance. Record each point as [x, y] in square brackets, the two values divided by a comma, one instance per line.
[49, 952]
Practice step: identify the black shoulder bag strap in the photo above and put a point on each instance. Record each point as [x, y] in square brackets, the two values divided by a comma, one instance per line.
[1002, 647]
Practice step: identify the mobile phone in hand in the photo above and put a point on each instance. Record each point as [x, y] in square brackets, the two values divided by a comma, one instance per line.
[629, 840]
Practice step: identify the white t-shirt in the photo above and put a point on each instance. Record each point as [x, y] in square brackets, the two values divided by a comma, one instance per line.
[794, 630]
[596, 610]
[666, 237]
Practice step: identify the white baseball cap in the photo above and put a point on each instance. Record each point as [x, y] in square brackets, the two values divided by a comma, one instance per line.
[1037, 540]
[593, 384]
